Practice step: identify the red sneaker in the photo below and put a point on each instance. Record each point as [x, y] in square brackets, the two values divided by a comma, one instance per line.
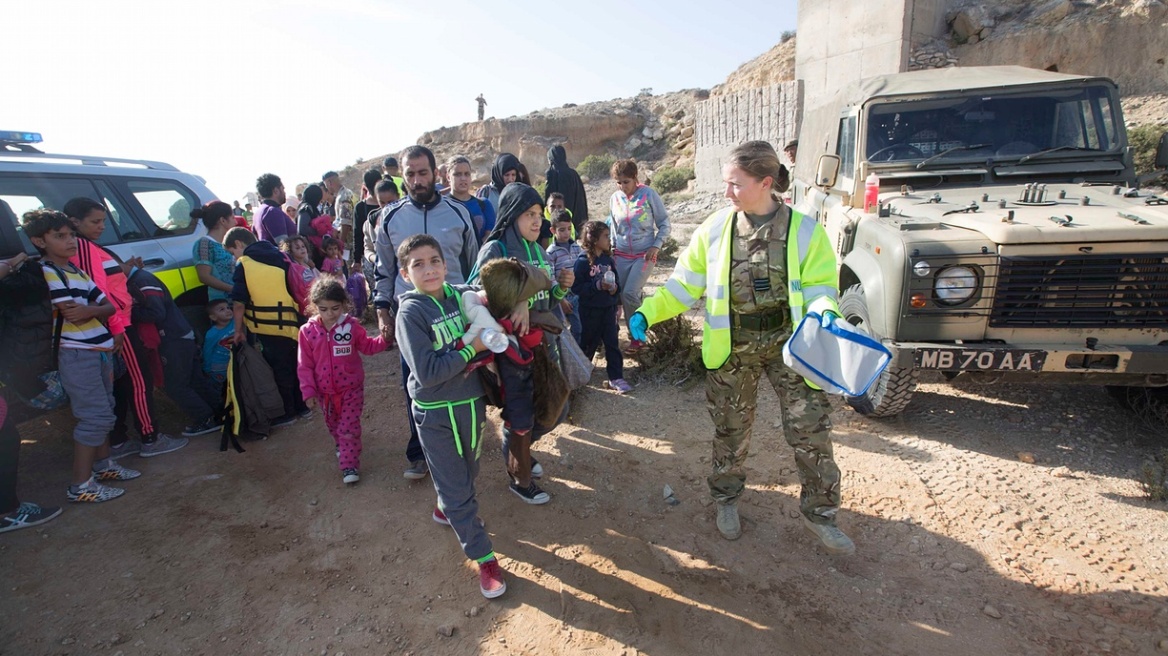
[440, 517]
[491, 581]
[634, 346]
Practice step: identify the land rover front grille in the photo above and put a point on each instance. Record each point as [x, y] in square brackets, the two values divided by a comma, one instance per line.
[1113, 291]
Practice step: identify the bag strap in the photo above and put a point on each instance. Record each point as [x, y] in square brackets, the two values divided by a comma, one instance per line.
[231, 406]
[59, 324]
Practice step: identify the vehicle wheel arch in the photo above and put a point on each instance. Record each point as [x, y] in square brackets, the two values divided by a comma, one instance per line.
[861, 268]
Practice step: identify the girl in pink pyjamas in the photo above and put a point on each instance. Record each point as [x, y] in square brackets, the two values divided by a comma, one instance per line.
[331, 373]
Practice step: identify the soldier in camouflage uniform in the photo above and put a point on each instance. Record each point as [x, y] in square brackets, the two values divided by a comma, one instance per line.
[761, 266]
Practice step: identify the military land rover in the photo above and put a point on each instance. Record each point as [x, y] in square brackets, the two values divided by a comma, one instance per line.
[1007, 239]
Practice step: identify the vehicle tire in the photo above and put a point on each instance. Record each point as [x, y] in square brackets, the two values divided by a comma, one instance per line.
[894, 388]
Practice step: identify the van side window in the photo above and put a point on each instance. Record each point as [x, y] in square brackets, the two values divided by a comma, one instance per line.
[845, 145]
[118, 220]
[23, 193]
[166, 203]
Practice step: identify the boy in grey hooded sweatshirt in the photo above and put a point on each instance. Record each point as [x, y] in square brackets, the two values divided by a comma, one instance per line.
[447, 407]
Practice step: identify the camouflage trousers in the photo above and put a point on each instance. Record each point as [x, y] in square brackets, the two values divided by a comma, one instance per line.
[732, 394]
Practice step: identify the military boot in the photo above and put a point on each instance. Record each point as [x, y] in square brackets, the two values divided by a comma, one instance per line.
[833, 539]
[728, 524]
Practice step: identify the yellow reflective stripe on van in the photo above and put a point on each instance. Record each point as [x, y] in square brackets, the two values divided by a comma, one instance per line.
[179, 281]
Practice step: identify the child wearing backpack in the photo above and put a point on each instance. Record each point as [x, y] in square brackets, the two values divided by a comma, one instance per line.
[331, 372]
[263, 304]
[84, 356]
[447, 406]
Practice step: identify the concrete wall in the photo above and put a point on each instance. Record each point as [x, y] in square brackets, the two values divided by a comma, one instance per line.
[926, 19]
[768, 113]
[841, 41]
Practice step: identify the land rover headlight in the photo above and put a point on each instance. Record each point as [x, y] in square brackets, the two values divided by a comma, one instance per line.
[955, 285]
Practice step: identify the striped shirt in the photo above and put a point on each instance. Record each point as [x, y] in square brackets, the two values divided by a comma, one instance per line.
[68, 283]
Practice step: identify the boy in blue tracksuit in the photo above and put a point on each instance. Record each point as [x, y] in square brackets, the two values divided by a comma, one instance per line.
[447, 406]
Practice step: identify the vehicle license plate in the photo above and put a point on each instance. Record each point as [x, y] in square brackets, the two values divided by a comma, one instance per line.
[979, 360]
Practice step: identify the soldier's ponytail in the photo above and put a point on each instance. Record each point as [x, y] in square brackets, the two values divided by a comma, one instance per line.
[759, 160]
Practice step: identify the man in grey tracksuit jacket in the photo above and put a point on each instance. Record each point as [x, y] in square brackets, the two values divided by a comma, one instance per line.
[444, 219]
[447, 407]
[448, 222]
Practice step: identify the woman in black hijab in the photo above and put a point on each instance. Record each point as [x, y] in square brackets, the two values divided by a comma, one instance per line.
[305, 215]
[516, 235]
[564, 179]
[504, 172]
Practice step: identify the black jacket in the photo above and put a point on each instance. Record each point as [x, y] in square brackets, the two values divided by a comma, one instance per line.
[26, 333]
[564, 179]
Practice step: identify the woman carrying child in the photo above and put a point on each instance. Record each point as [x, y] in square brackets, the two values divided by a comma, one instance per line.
[516, 235]
[310, 223]
[598, 289]
[331, 372]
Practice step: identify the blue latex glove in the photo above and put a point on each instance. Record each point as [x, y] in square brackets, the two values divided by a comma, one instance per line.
[638, 324]
[827, 318]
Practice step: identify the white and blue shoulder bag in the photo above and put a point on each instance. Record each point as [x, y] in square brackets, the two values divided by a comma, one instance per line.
[835, 355]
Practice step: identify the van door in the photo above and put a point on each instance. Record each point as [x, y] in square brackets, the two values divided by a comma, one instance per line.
[835, 203]
[165, 210]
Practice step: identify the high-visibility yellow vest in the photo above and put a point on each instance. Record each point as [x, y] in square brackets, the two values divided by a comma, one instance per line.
[704, 268]
[271, 310]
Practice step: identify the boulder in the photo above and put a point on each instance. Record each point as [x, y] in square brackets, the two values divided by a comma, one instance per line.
[969, 21]
[1055, 12]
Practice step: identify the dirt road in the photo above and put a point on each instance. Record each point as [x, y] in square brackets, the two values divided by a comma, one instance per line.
[962, 548]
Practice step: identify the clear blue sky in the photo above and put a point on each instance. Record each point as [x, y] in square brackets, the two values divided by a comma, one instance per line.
[229, 89]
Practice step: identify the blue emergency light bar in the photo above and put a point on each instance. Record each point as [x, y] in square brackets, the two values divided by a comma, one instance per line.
[20, 137]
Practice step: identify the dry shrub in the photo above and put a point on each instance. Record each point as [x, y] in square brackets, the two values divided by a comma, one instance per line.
[1154, 478]
[596, 167]
[1149, 405]
[669, 179]
[672, 354]
[670, 249]
[1143, 140]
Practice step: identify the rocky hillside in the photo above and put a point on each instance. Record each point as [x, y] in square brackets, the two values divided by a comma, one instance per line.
[657, 130]
[772, 67]
[1126, 40]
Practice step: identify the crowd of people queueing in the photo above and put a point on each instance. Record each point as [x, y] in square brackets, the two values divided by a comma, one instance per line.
[527, 266]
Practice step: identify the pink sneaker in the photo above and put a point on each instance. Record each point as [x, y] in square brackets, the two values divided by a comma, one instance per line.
[491, 581]
[619, 386]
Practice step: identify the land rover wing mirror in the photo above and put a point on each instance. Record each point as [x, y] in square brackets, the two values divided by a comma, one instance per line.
[827, 171]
